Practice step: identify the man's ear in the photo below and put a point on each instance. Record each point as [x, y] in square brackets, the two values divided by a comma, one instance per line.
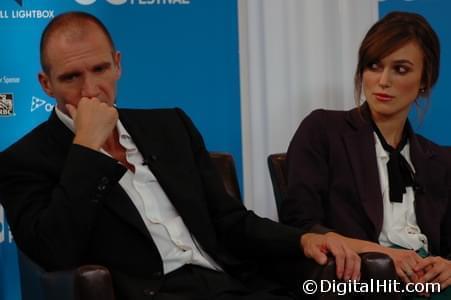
[117, 63]
[44, 80]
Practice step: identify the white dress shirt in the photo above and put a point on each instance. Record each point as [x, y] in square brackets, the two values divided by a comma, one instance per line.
[174, 242]
[400, 225]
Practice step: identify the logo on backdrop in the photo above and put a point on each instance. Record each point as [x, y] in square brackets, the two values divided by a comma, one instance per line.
[26, 14]
[139, 2]
[6, 105]
[8, 80]
[37, 103]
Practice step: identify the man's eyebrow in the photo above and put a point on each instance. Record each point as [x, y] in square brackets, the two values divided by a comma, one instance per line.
[106, 64]
[68, 75]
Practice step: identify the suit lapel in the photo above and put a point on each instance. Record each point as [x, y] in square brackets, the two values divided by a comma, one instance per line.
[60, 138]
[362, 155]
[174, 178]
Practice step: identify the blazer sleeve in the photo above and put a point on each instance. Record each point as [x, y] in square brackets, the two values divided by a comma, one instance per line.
[239, 229]
[445, 226]
[51, 216]
[308, 175]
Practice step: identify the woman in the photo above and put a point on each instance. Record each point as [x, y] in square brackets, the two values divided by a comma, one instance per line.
[363, 177]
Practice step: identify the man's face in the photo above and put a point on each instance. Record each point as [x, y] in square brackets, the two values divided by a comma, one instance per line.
[84, 66]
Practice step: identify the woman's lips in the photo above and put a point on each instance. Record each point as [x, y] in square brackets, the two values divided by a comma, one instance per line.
[383, 97]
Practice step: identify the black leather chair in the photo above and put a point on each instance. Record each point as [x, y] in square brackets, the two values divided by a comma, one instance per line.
[374, 265]
[93, 282]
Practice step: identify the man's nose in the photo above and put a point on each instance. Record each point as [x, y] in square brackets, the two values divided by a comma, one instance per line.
[90, 88]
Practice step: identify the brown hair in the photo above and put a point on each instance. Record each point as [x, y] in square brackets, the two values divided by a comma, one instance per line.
[391, 33]
[75, 22]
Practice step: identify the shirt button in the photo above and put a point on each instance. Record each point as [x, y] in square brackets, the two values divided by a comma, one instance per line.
[156, 275]
[149, 292]
[101, 187]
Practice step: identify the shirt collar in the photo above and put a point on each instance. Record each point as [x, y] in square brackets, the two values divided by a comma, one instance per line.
[380, 151]
[67, 121]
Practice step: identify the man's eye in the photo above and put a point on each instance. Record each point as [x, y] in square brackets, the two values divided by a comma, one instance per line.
[100, 69]
[69, 78]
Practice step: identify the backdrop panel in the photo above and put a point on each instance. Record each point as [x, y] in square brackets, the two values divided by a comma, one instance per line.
[175, 53]
[436, 123]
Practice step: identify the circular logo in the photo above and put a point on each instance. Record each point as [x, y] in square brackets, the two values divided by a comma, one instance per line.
[116, 2]
[309, 287]
[85, 2]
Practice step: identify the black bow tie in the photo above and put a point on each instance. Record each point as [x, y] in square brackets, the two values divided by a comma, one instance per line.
[400, 173]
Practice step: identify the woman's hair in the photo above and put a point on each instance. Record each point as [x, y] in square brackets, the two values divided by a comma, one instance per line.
[393, 32]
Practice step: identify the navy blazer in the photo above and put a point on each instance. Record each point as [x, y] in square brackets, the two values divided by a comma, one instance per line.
[333, 180]
[66, 208]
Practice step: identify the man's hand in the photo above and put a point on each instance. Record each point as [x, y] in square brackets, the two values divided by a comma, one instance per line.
[438, 270]
[94, 122]
[317, 246]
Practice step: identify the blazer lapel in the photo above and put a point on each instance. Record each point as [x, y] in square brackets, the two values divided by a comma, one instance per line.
[362, 155]
[430, 189]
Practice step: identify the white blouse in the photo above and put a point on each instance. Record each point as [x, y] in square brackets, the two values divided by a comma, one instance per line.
[400, 225]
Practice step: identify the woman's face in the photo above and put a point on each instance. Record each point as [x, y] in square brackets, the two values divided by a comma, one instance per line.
[392, 84]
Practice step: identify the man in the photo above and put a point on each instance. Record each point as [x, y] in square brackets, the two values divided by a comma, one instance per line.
[134, 190]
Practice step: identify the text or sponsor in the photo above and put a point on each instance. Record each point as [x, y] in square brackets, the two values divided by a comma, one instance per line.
[374, 286]
[26, 14]
[8, 80]
[137, 2]
[6, 105]
[40, 103]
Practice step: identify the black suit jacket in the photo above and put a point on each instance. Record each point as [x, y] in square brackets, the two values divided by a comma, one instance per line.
[333, 180]
[66, 208]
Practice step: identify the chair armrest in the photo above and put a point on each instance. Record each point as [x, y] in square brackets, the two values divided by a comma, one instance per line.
[93, 282]
[86, 282]
[379, 266]
[374, 265]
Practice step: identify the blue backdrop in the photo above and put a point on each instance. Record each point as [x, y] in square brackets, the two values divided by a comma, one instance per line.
[175, 53]
[435, 124]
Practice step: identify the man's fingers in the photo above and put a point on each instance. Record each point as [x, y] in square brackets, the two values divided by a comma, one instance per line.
[349, 265]
[317, 255]
[71, 110]
[339, 255]
[356, 270]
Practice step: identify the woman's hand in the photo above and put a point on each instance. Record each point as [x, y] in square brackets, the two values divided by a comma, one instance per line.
[317, 246]
[438, 270]
[406, 264]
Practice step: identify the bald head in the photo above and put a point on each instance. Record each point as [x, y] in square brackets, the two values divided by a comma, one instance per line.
[73, 26]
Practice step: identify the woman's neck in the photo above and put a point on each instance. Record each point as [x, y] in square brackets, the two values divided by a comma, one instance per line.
[392, 129]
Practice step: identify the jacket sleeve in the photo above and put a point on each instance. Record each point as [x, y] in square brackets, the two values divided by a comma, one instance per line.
[445, 226]
[239, 229]
[51, 215]
[308, 176]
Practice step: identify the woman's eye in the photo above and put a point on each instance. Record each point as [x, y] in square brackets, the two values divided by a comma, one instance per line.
[401, 69]
[373, 66]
